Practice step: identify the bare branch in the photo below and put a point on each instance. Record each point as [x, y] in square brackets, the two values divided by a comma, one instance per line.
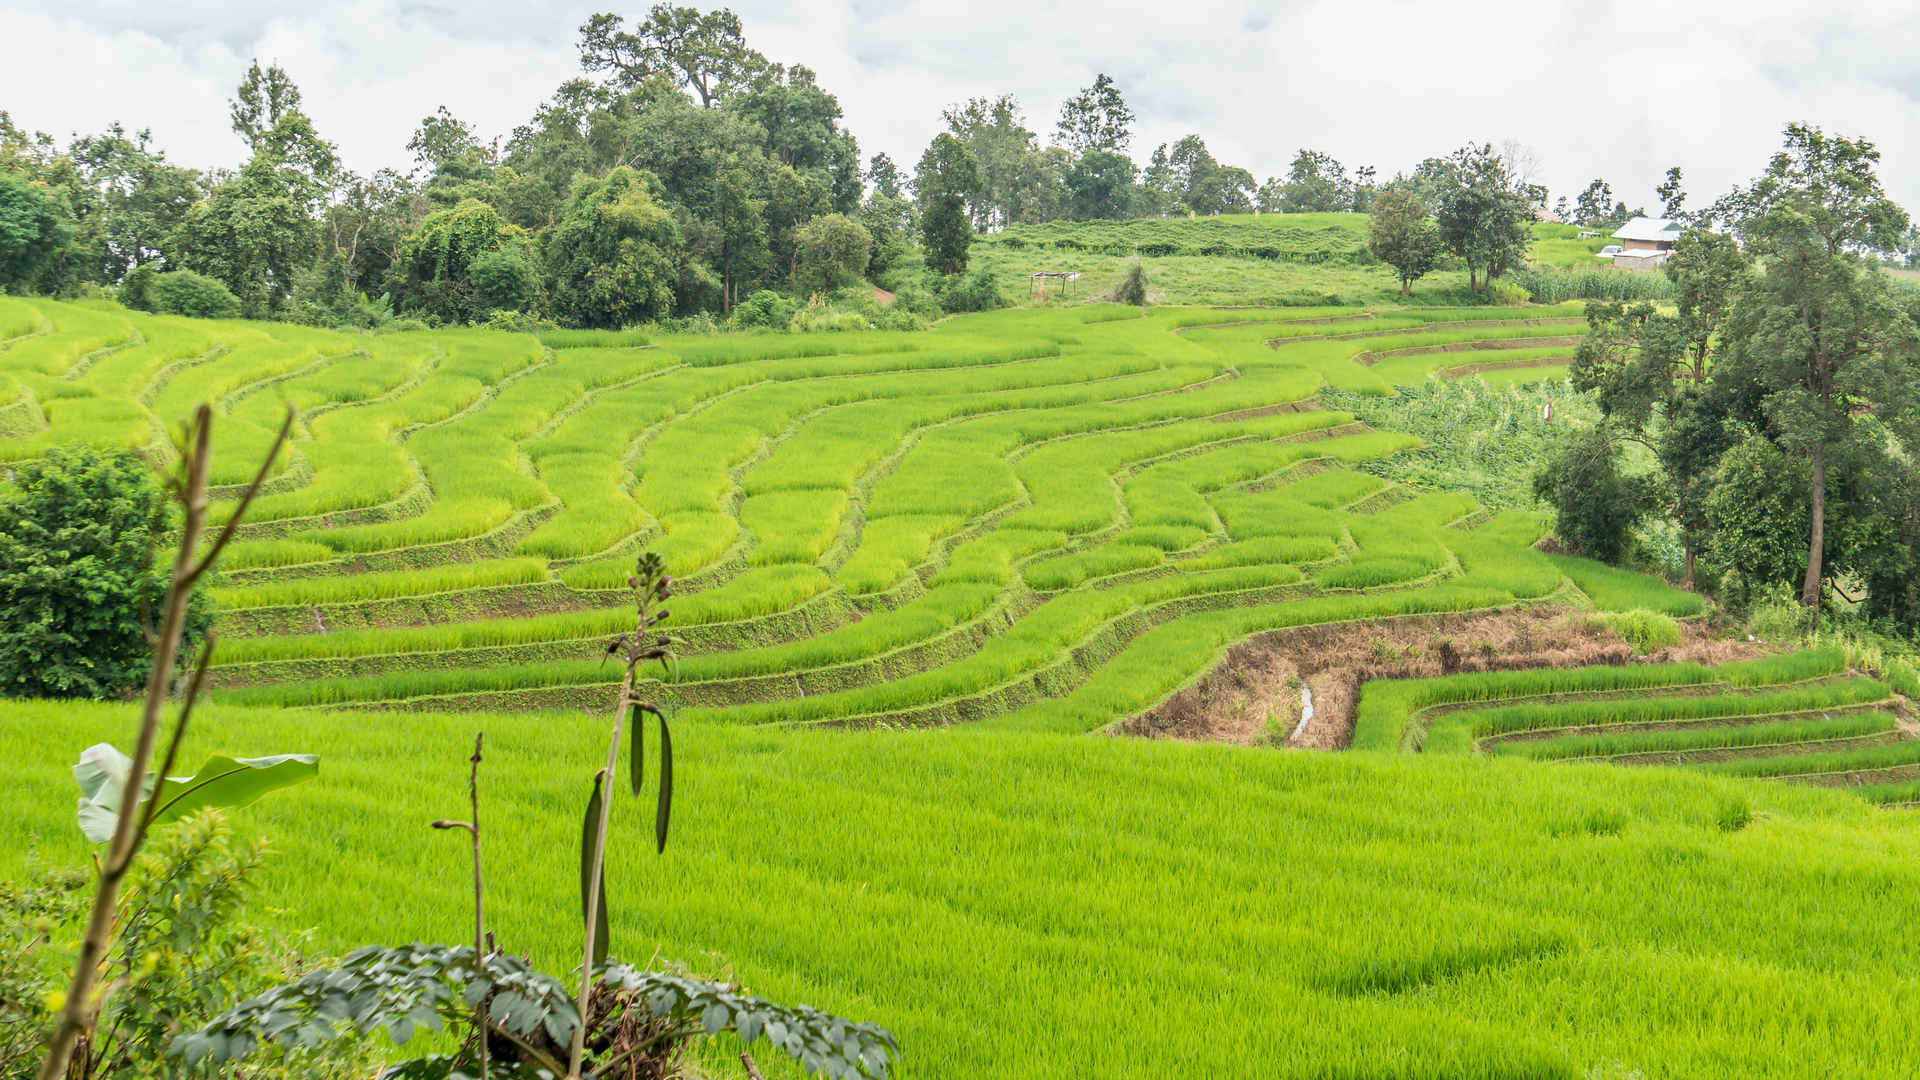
[246, 499]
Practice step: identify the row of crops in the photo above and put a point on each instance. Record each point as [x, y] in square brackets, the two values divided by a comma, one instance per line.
[1031, 519]
[1801, 717]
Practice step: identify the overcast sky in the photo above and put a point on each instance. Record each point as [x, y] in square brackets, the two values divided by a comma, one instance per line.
[1596, 88]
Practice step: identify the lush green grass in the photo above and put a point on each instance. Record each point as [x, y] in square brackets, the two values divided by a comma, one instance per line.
[1467, 918]
[1107, 473]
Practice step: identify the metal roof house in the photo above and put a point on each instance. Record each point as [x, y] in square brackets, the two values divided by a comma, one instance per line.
[1645, 242]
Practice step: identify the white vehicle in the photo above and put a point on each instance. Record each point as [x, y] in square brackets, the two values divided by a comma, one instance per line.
[1607, 252]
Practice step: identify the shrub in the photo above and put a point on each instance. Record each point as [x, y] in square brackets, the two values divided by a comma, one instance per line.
[77, 536]
[765, 308]
[183, 292]
[972, 291]
[1645, 630]
[503, 281]
[830, 251]
[1132, 286]
[821, 319]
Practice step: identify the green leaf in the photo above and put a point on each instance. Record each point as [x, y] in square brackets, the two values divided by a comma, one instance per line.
[102, 772]
[637, 746]
[227, 781]
[666, 789]
[587, 832]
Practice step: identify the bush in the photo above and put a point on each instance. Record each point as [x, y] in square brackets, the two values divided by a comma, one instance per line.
[180, 954]
[1507, 292]
[1647, 631]
[77, 537]
[831, 251]
[764, 309]
[1132, 287]
[973, 291]
[178, 292]
[136, 287]
[503, 281]
[820, 319]
[1595, 507]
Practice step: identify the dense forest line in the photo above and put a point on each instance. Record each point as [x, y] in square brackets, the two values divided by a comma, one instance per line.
[683, 175]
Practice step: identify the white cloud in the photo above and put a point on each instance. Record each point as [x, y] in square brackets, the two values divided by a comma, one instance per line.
[1620, 90]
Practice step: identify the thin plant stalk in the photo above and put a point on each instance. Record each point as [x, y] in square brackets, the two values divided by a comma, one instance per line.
[130, 828]
[472, 826]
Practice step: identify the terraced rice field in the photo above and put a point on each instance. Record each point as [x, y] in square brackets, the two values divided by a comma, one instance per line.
[1037, 519]
[1023, 525]
[1801, 717]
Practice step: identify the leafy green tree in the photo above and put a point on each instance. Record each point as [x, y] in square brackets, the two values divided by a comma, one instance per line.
[832, 251]
[265, 111]
[1596, 507]
[615, 258]
[1707, 269]
[883, 176]
[34, 228]
[78, 531]
[255, 235]
[801, 125]
[1673, 196]
[946, 174]
[1756, 515]
[705, 51]
[1401, 234]
[1100, 185]
[143, 199]
[1595, 203]
[432, 274]
[1315, 183]
[1185, 178]
[995, 132]
[1482, 215]
[442, 138]
[1095, 119]
[1816, 331]
[503, 280]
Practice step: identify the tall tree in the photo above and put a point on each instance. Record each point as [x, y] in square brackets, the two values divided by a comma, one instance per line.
[142, 199]
[1316, 183]
[884, 176]
[1817, 331]
[1401, 234]
[265, 111]
[1482, 213]
[34, 227]
[440, 139]
[996, 133]
[615, 258]
[1100, 185]
[1673, 196]
[1096, 118]
[946, 174]
[1594, 204]
[704, 51]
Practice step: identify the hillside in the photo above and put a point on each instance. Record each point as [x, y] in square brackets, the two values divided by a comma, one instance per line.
[1018, 529]
[1041, 519]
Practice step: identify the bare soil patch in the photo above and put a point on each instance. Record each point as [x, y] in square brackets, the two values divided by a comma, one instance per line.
[1253, 695]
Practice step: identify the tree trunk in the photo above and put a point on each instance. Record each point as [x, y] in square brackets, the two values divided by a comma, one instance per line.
[1690, 558]
[1406, 287]
[1810, 588]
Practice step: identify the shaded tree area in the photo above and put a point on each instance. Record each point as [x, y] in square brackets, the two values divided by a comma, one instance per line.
[1776, 399]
